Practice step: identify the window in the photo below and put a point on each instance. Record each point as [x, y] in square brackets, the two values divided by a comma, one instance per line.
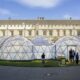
[9, 25]
[20, 32]
[12, 25]
[2, 25]
[29, 32]
[3, 33]
[50, 32]
[44, 32]
[37, 33]
[78, 32]
[20, 26]
[5, 25]
[12, 33]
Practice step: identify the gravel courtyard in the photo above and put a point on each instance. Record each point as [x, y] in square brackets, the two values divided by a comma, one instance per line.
[36, 73]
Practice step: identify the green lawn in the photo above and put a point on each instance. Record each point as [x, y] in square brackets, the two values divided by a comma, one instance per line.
[34, 63]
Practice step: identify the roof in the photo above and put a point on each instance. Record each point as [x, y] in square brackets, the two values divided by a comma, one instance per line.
[40, 40]
[41, 22]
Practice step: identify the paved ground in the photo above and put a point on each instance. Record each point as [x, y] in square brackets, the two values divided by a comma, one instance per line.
[55, 73]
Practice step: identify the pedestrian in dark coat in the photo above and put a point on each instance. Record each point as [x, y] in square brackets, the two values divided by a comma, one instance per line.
[74, 52]
[70, 55]
[77, 58]
[43, 58]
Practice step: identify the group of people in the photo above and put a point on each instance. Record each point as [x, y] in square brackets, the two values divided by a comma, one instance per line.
[73, 56]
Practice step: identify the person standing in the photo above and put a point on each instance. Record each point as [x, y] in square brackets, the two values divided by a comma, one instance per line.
[70, 55]
[77, 58]
[74, 53]
[43, 58]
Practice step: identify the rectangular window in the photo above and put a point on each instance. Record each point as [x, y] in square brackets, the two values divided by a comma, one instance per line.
[78, 32]
[44, 32]
[50, 32]
[29, 32]
[37, 33]
[12, 33]
[20, 32]
[3, 33]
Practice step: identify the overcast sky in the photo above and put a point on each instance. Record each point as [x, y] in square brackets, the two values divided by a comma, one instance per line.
[31, 9]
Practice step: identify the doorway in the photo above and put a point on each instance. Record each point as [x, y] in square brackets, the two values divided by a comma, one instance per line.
[73, 47]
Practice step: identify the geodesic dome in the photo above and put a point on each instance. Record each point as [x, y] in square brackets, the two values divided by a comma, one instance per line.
[64, 44]
[42, 45]
[17, 48]
[40, 40]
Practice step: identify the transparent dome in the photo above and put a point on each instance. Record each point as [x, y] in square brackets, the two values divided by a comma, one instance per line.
[17, 48]
[42, 45]
[64, 44]
[20, 48]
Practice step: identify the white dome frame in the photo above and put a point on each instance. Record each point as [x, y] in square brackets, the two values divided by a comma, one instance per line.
[17, 48]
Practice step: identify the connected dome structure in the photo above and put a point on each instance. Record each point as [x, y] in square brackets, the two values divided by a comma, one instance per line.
[20, 48]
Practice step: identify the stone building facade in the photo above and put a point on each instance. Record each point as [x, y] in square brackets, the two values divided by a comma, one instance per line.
[51, 29]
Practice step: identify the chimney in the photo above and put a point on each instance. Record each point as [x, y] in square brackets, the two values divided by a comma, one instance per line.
[40, 18]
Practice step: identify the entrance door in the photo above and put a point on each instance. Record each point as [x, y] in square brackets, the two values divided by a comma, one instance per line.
[73, 47]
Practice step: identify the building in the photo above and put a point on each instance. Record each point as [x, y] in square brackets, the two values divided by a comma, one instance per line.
[51, 29]
[28, 39]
